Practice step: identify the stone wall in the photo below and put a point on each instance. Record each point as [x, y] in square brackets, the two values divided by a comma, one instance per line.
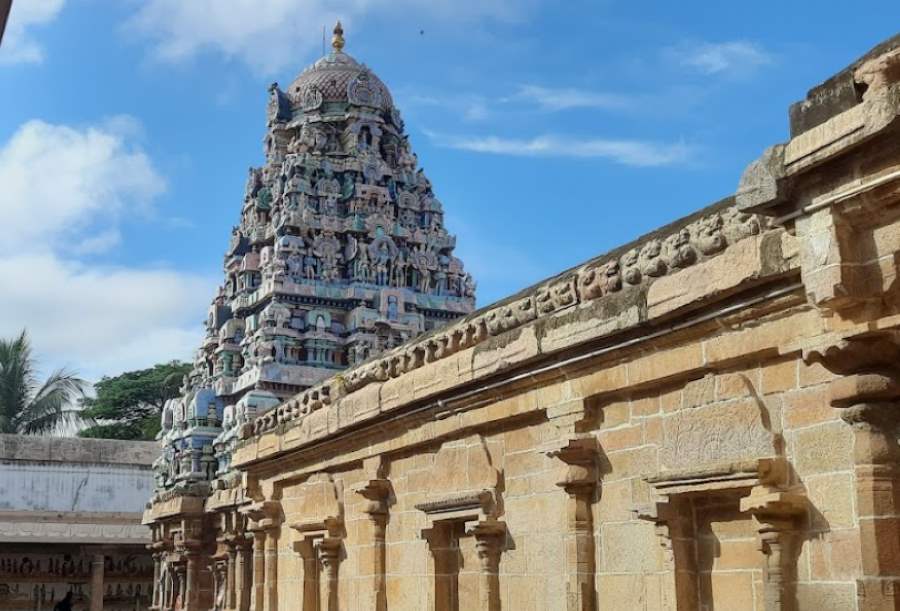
[70, 520]
[704, 418]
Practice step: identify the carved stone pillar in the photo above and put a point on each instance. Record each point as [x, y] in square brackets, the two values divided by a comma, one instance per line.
[328, 550]
[271, 560]
[490, 535]
[97, 569]
[266, 519]
[157, 568]
[307, 554]
[192, 581]
[231, 575]
[257, 596]
[580, 481]
[777, 514]
[443, 544]
[376, 492]
[179, 596]
[676, 533]
[869, 396]
[243, 577]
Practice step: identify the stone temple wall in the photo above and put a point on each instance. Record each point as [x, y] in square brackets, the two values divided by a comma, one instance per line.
[70, 512]
[705, 418]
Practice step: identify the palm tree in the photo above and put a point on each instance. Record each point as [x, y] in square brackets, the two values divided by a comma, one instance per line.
[28, 407]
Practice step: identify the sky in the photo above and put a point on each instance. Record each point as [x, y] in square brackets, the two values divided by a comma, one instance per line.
[551, 131]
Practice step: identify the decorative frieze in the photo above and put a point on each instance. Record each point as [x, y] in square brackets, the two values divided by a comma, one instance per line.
[683, 247]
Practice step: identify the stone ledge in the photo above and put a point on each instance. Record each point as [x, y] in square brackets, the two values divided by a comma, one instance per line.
[77, 450]
[66, 532]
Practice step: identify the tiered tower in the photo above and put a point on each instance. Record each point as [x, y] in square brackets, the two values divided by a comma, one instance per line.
[340, 253]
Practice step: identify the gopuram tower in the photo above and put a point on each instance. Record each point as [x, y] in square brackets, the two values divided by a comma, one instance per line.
[340, 254]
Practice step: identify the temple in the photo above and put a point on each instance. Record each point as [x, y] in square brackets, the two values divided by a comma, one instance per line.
[703, 418]
[340, 254]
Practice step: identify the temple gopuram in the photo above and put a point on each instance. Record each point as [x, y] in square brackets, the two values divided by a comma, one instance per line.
[340, 254]
[703, 418]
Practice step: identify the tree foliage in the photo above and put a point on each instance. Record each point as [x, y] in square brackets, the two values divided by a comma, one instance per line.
[130, 404]
[27, 405]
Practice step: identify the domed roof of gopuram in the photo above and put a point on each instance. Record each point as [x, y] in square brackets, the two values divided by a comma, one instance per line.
[338, 77]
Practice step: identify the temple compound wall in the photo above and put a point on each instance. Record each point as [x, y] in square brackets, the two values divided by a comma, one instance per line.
[705, 418]
[70, 519]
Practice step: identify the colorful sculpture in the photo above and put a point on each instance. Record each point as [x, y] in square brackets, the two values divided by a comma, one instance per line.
[340, 253]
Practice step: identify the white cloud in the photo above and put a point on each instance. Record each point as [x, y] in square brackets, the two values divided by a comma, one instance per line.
[627, 152]
[19, 46]
[568, 98]
[101, 320]
[64, 190]
[59, 182]
[733, 58]
[269, 35]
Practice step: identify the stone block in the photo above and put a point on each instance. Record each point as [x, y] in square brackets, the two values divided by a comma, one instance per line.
[395, 392]
[615, 414]
[620, 592]
[699, 392]
[831, 496]
[779, 376]
[741, 263]
[631, 463]
[605, 380]
[762, 339]
[511, 348]
[653, 430]
[621, 438]
[732, 591]
[360, 405]
[645, 406]
[822, 449]
[827, 596]
[616, 501]
[846, 556]
[808, 407]
[734, 385]
[732, 431]
[664, 364]
[631, 547]
[588, 321]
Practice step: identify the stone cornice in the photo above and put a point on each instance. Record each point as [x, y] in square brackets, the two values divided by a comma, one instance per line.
[619, 285]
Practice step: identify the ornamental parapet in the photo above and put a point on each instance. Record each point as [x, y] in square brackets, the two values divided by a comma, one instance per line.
[625, 288]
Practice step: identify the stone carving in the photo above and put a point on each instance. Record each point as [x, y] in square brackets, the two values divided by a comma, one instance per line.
[724, 433]
[708, 236]
[312, 98]
[364, 91]
[322, 270]
[599, 280]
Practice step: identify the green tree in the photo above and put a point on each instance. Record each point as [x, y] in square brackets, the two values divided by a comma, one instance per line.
[131, 403]
[28, 406]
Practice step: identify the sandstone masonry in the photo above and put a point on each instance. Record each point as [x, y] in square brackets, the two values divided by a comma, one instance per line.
[704, 418]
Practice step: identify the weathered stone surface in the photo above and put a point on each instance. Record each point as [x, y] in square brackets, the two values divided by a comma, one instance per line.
[722, 433]
[682, 423]
[743, 263]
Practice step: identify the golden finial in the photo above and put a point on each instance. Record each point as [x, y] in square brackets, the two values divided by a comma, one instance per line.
[337, 41]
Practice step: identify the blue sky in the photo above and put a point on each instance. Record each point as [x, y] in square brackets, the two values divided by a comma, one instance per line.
[551, 131]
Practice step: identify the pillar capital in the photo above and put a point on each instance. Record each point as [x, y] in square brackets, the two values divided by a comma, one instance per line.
[864, 353]
[490, 536]
[775, 510]
[580, 453]
[868, 389]
[376, 492]
[777, 514]
[266, 514]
